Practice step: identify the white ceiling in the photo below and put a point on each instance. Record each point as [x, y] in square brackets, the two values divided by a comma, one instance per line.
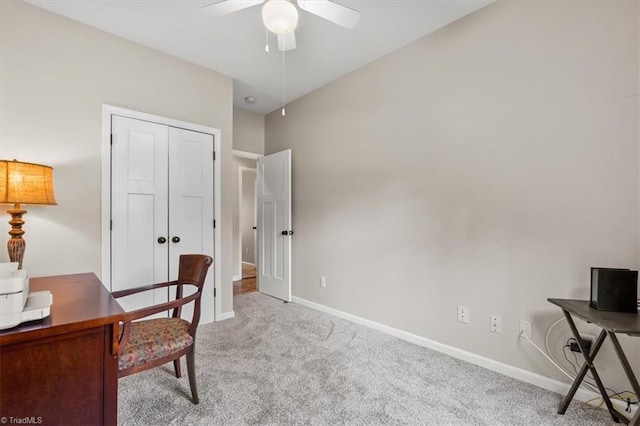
[234, 44]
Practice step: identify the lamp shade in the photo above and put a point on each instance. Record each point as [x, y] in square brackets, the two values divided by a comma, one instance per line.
[26, 183]
[279, 16]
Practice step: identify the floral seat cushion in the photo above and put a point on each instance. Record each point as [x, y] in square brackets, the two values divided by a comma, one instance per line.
[153, 339]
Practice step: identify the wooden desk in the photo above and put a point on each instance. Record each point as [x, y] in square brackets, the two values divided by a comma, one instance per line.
[63, 370]
[610, 323]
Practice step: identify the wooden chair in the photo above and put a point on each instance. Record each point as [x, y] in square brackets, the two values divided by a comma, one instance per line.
[153, 342]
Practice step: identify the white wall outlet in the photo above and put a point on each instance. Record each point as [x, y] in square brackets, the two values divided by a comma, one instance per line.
[323, 281]
[463, 314]
[525, 329]
[495, 324]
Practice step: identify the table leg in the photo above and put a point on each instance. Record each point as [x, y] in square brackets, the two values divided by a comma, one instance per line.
[617, 417]
[583, 371]
[635, 421]
[627, 370]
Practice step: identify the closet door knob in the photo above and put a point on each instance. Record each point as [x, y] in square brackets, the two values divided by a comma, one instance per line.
[162, 240]
[176, 239]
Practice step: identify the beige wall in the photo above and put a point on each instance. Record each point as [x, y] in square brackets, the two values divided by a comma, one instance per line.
[55, 76]
[248, 131]
[487, 165]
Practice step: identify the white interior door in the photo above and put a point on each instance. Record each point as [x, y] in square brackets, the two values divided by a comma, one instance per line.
[273, 199]
[139, 209]
[191, 210]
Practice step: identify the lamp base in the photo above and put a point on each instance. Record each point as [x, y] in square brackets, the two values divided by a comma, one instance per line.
[16, 245]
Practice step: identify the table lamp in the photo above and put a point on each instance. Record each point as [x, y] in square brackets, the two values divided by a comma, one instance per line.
[23, 183]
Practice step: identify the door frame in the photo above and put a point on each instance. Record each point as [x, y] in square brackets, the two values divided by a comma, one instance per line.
[107, 112]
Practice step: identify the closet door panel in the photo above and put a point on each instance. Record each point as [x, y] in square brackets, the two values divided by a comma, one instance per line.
[191, 211]
[139, 209]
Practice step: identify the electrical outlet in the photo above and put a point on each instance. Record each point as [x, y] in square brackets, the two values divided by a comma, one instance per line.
[323, 281]
[495, 324]
[463, 314]
[525, 329]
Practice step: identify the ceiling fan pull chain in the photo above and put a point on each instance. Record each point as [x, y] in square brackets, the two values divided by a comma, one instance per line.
[283, 111]
[266, 40]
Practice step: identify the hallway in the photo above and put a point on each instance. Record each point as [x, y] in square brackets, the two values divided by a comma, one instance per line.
[248, 282]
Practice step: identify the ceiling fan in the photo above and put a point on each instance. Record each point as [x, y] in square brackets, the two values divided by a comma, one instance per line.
[281, 16]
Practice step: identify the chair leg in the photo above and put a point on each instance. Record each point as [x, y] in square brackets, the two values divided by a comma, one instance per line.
[176, 366]
[191, 370]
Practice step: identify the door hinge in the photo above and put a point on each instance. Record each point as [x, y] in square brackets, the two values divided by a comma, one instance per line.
[214, 224]
[214, 292]
[214, 156]
[111, 225]
[111, 139]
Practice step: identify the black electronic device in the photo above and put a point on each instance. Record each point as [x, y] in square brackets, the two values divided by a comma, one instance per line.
[614, 290]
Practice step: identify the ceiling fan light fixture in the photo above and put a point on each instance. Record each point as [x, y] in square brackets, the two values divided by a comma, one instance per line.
[280, 16]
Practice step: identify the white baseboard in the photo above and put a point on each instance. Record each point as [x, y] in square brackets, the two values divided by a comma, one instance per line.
[226, 315]
[236, 277]
[490, 364]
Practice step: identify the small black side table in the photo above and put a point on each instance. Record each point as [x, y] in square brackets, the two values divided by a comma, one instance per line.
[611, 323]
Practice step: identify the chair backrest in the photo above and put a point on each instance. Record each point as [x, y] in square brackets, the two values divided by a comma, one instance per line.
[192, 270]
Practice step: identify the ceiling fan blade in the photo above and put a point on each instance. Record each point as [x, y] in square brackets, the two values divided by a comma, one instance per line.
[334, 12]
[287, 41]
[226, 7]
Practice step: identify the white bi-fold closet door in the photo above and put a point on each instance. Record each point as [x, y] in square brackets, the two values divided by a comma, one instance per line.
[161, 207]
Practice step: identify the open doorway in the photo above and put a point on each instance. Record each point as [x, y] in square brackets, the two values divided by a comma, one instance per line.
[247, 222]
[244, 223]
[267, 196]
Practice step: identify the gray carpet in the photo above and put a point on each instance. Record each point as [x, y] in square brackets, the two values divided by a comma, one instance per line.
[281, 364]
